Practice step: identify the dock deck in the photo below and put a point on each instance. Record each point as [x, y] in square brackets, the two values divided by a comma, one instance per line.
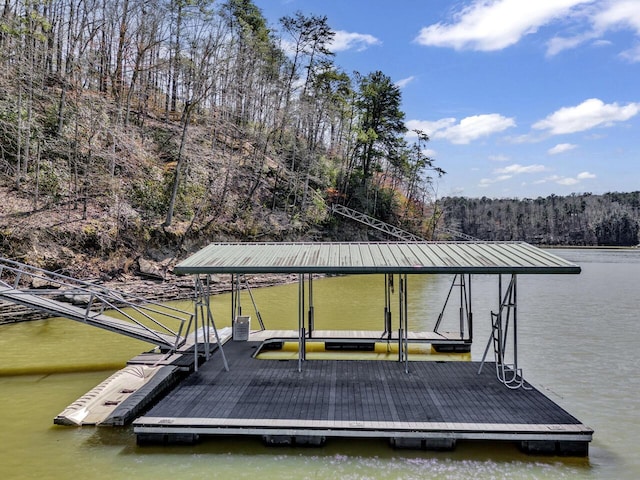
[433, 406]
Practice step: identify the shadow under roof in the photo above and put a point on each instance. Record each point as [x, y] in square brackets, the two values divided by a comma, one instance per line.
[375, 257]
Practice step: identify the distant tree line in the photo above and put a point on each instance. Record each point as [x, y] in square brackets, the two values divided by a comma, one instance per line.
[80, 80]
[585, 219]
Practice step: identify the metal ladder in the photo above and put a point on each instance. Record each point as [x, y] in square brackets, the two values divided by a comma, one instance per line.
[507, 373]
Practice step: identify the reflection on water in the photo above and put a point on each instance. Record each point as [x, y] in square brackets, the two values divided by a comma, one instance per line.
[577, 341]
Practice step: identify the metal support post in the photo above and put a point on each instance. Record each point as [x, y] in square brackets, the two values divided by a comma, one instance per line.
[300, 321]
[311, 308]
[406, 326]
[400, 321]
[470, 313]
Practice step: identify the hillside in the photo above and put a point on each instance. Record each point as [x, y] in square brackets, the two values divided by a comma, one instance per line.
[113, 220]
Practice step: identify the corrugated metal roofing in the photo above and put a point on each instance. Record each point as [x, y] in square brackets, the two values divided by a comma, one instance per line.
[396, 257]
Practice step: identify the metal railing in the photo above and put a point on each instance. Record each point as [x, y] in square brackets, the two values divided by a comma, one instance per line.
[93, 304]
[392, 229]
[375, 223]
[503, 327]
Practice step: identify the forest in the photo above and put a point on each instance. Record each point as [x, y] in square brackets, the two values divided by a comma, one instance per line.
[146, 128]
[611, 219]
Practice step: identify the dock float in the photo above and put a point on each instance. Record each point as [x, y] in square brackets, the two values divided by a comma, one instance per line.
[128, 392]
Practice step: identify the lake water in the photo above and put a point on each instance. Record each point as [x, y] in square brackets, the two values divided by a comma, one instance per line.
[577, 335]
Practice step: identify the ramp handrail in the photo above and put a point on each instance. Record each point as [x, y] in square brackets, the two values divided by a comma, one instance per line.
[375, 223]
[17, 278]
[392, 229]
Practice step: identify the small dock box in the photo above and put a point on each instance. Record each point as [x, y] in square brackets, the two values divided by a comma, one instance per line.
[241, 328]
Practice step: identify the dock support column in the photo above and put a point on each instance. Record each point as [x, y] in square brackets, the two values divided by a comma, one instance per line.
[301, 335]
[403, 331]
[311, 319]
[203, 312]
[406, 325]
[400, 321]
[388, 289]
[470, 314]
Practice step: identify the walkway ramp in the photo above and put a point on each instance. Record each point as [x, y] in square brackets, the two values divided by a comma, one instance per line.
[372, 222]
[393, 230]
[62, 296]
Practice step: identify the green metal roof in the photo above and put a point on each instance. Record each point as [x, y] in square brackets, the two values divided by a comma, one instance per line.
[396, 257]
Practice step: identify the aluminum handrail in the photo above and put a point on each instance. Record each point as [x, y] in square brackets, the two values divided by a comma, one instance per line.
[109, 299]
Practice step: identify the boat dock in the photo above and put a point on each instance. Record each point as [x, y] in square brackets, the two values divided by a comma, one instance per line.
[434, 406]
[305, 400]
[274, 385]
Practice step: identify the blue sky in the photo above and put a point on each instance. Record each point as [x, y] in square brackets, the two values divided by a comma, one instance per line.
[521, 98]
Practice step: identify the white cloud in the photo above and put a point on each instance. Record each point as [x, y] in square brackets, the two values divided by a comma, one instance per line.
[428, 152]
[516, 169]
[561, 148]
[499, 158]
[559, 44]
[427, 126]
[495, 24]
[485, 182]
[474, 127]
[508, 172]
[464, 132]
[568, 181]
[602, 43]
[405, 81]
[585, 176]
[604, 17]
[589, 114]
[618, 14]
[488, 25]
[632, 55]
[352, 41]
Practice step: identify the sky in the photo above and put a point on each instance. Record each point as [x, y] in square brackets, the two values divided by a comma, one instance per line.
[520, 98]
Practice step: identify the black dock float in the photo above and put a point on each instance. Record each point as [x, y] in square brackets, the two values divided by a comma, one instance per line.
[434, 406]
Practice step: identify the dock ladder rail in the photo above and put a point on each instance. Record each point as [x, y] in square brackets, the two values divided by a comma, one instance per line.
[392, 229]
[507, 373]
[63, 296]
[375, 223]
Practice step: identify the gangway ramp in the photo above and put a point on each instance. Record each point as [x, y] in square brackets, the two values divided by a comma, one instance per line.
[393, 230]
[375, 223]
[62, 296]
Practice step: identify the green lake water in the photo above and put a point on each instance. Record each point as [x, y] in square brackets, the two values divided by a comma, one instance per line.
[577, 335]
